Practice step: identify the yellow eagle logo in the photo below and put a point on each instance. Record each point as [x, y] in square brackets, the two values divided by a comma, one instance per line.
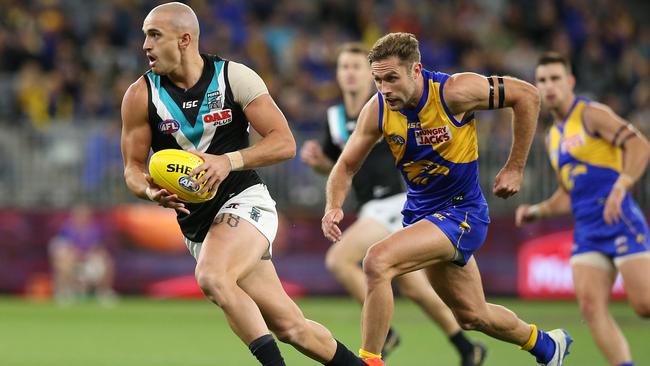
[420, 171]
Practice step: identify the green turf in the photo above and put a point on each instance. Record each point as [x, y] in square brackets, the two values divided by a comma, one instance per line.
[139, 332]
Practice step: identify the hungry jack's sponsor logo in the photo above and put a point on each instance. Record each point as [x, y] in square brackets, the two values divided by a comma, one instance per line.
[433, 136]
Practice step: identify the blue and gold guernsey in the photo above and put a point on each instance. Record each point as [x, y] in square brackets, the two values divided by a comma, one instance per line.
[438, 158]
[588, 167]
[206, 118]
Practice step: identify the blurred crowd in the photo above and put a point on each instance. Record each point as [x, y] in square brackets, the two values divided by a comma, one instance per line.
[70, 61]
[73, 59]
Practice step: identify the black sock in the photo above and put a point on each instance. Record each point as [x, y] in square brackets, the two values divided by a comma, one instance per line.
[462, 344]
[266, 351]
[344, 357]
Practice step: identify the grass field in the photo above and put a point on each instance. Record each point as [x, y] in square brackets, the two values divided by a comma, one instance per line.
[140, 332]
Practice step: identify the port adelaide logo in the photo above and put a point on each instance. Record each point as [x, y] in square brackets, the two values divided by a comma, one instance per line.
[217, 115]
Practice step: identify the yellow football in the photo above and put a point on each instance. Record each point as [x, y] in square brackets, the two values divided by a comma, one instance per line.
[170, 169]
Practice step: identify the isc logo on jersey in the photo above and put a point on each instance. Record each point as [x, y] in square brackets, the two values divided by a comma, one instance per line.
[218, 118]
[432, 136]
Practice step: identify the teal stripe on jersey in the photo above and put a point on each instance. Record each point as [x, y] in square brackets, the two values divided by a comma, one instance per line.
[345, 135]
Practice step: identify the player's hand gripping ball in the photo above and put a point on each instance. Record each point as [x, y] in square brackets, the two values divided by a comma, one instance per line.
[170, 169]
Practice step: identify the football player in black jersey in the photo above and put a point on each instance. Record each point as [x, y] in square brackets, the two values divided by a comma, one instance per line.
[204, 104]
[380, 195]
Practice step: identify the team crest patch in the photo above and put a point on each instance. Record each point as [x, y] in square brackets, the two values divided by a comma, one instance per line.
[215, 100]
[218, 118]
[396, 139]
[169, 126]
[433, 136]
[255, 213]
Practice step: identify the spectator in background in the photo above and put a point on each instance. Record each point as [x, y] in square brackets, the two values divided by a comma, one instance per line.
[80, 262]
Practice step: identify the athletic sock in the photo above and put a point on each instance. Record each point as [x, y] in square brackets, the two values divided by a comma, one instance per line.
[462, 344]
[344, 357]
[266, 351]
[626, 364]
[540, 345]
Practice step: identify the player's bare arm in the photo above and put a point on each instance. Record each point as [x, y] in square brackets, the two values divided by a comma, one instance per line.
[136, 143]
[277, 144]
[557, 205]
[465, 93]
[602, 121]
[354, 153]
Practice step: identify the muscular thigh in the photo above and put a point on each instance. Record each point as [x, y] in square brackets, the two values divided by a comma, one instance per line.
[415, 247]
[233, 245]
[359, 237]
[592, 279]
[636, 277]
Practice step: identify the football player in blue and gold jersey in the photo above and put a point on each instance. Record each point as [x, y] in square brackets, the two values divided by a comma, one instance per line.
[380, 195]
[598, 156]
[427, 119]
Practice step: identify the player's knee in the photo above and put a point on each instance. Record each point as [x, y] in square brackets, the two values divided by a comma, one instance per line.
[335, 261]
[216, 287]
[376, 266]
[642, 308]
[591, 309]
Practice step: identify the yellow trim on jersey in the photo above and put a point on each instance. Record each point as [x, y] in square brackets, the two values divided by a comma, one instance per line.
[395, 131]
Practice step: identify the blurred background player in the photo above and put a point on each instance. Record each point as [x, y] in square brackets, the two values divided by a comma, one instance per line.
[80, 262]
[231, 235]
[598, 156]
[380, 195]
[427, 118]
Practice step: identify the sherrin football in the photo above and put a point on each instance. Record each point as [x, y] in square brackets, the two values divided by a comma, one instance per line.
[170, 169]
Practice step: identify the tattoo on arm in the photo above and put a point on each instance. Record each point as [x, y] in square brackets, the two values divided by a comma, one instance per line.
[232, 220]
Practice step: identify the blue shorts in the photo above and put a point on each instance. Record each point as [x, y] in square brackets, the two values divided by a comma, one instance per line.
[629, 236]
[465, 224]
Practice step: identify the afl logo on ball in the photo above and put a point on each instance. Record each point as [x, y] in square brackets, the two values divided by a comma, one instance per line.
[187, 183]
[169, 126]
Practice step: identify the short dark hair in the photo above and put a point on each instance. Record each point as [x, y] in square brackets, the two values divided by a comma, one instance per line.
[552, 57]
[402, 45]
[352, 47]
